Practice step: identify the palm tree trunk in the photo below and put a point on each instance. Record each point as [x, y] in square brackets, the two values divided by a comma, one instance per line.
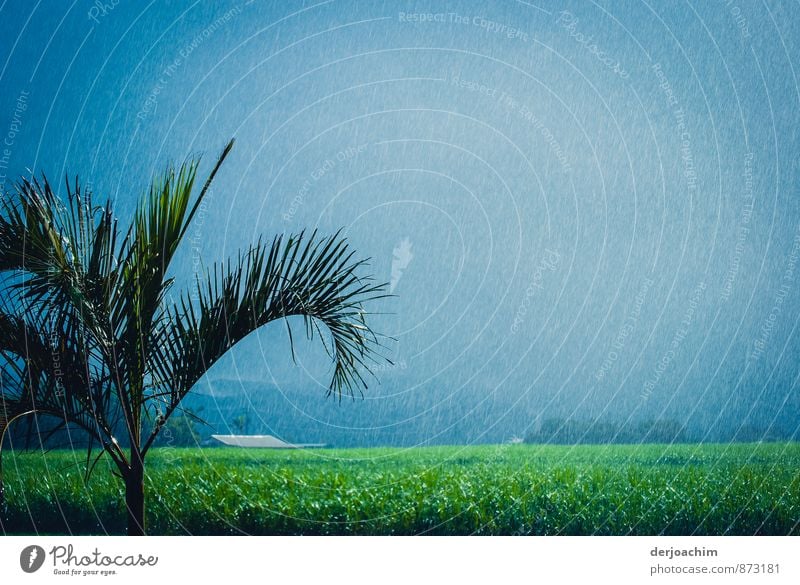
[134, 494]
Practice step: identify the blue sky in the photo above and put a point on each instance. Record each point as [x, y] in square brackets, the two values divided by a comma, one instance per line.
[599, 200]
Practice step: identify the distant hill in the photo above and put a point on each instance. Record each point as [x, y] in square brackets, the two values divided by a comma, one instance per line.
[390, 414]
[298, 414]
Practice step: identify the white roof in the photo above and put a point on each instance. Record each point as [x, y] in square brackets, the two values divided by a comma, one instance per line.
[262, 441]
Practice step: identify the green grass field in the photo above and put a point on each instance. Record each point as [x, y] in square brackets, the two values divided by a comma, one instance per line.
[739, 489]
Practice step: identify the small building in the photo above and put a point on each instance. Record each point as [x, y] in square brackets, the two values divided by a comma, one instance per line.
[262, 442]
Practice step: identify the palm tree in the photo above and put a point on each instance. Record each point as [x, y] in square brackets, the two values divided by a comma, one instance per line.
[88, 334]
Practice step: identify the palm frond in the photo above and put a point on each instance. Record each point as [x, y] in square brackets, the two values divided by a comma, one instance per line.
[46, 373]
[58, 257]
[137, 303]
[304, 275]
